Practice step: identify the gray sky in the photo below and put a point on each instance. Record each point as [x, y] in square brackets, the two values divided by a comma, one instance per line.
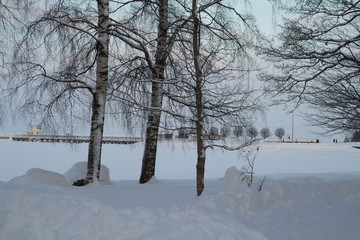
[267, 17]
[276, 117]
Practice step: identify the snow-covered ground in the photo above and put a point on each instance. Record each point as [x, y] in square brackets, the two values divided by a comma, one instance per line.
[312, 191]
[177, 159]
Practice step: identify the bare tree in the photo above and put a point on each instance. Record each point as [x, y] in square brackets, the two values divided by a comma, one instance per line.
[238, 131]
[172, 20]
[207, 89]
[8, 24]
[249, 168]
[148, 65]
[318, 59]
[199, 113]
[213, 133]
[280, 132]
[99, 95]
[61, 65]
[265, 133]
[225, 131]
[355, 137]
[153, 121]
[4, 26]
[252, 132]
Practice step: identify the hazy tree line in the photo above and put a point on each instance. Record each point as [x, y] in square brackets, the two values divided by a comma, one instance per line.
[237, 133]
[173, 64]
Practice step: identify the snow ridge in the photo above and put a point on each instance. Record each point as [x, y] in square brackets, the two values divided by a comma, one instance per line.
[228, 210]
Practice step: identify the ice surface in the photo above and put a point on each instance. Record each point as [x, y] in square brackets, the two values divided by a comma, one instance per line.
[177, 159]
[40, 175]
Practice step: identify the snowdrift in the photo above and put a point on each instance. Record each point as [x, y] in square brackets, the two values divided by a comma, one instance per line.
[78, 171]
[292, 208]
[42, 176]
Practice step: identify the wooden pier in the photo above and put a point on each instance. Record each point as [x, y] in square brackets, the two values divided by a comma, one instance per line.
[72, 139]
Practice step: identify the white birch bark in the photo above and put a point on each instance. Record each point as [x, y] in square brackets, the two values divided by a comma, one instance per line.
[99, 96]
[153, 122]
[201, 156]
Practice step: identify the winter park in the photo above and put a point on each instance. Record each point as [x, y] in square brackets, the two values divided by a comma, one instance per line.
[172, 119]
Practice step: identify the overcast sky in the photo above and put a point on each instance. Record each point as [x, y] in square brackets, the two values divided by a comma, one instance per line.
[267, 18]
[275, 116]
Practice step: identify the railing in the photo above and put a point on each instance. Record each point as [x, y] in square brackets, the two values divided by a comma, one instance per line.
[74, 139]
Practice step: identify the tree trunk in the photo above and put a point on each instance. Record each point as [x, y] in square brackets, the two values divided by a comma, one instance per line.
[201, 156]
[152, 128]
[99, 96]
[153, 122]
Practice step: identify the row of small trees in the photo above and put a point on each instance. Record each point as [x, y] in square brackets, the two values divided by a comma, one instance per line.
[238, 131]
[265, 133]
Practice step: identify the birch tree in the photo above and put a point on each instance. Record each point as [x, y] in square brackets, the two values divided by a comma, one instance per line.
[139, 86]
[317, 62]
[209, 87]
[150, 63]
[199, 122]
[61, 65]
[153, 120]
[4, 25]
[8, 23]
[165, 44]
[13, 16]
[99, 95]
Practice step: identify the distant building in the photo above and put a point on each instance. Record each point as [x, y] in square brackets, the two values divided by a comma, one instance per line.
[192, 137]
[165, 135]
[35, 130]
[183, 133]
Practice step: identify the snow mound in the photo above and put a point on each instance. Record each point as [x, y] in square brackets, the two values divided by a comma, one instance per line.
[153, 180]
[235, 176]
[54, 215]
[78, 171]
[40, 175]
[57, 214]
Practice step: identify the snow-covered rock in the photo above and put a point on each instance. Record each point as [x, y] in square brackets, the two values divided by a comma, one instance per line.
[40, 175]
[233, 175]
[236, 176]
[78, 171]
[153, 180]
